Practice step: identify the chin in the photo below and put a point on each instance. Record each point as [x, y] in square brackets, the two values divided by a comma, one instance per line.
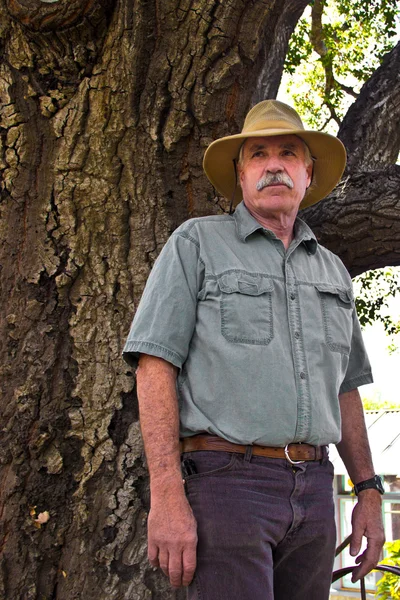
[276, 201]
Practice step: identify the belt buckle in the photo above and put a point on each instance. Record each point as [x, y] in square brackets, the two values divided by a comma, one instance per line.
[292, 462]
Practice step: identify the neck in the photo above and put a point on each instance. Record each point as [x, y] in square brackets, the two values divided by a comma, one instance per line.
[282, 225]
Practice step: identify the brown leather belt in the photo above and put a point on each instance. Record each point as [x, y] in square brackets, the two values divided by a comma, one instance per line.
[294, 453]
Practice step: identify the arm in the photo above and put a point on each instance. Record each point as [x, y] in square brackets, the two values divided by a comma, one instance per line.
[367, 515]
[172, 537]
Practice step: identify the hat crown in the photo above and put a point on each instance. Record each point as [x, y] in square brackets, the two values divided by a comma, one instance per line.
[272, 114]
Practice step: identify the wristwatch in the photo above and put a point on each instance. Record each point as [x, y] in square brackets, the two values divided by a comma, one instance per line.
[374, 483]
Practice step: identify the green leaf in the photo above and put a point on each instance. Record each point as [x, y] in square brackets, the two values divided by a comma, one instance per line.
[356, 35]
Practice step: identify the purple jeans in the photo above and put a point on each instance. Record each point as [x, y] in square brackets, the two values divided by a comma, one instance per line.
[266, 528]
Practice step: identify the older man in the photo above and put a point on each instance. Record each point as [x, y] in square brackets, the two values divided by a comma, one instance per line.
[251, 354]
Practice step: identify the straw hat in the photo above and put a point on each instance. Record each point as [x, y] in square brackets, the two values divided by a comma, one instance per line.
[266, 119]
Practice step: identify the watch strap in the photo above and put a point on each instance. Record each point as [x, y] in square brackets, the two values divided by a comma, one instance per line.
[373, 483]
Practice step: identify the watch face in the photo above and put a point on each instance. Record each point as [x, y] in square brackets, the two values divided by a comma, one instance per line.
[379, 484]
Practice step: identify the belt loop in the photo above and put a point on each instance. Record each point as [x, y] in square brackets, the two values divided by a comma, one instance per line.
[325, 455]
[248, 454]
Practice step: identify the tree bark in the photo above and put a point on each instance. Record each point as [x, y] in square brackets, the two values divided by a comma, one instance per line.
[105, 111]
[360, 220]
[274, 56]
[370, 130]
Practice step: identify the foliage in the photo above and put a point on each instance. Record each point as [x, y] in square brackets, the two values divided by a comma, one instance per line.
[389, 586]
[374, 290]
[333, 51]
[377, 404]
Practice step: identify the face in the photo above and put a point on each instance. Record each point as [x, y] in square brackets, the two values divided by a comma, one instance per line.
[273, 174]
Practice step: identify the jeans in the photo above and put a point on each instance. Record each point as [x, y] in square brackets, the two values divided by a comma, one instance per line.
[266, 528]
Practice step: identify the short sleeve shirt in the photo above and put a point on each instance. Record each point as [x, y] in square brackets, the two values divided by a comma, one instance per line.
[264, 338]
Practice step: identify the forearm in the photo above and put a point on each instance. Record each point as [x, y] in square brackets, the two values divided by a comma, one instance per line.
[356, 455]
[354, 446]
[159, 421]
[172, 536]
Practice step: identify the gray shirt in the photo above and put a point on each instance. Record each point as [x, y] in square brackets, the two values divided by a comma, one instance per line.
[264, 338]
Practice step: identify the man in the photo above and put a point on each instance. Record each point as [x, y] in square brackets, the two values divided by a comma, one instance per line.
[251, 353]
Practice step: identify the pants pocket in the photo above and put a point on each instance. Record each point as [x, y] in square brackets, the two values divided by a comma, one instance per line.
[209, 463]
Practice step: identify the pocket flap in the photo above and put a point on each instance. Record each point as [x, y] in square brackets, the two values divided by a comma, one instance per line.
[345, 294]
[245, 283]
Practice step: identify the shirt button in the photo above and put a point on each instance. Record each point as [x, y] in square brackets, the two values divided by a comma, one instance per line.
[302, 375]
[292, 296]
[296, 335]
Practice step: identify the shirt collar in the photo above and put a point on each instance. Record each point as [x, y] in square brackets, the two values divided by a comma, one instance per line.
[246, 224]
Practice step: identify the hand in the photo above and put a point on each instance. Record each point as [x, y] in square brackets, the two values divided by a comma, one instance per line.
[367, 520]
[172, 537]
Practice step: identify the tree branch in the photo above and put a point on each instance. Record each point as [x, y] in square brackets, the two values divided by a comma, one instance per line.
[318, 43]
[317, 39]
[360, 220]
[370, 130]
[274, 54]
[333, 113]
[347, 89]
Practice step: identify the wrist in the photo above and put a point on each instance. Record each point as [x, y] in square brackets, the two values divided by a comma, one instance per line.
[369, 495]
[165, 483]
[373, 483]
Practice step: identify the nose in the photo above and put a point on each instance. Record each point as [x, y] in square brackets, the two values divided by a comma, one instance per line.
[274, 165]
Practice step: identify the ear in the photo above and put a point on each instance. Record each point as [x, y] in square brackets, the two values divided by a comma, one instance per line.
[309, 175]
[238, 174]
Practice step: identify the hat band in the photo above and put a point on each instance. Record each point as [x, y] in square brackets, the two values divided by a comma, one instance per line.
[273, 124]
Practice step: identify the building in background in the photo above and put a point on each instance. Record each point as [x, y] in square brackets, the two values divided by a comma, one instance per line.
[384, 435]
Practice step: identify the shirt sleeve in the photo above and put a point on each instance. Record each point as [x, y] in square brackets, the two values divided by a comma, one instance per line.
[359, 369]
[165, 319]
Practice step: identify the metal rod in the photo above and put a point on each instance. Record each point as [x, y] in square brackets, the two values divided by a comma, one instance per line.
[362, 585]
[343, 545]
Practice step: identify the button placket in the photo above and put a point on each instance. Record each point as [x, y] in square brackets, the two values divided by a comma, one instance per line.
[299, 356]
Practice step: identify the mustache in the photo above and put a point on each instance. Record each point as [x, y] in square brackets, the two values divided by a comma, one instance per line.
[274, 178]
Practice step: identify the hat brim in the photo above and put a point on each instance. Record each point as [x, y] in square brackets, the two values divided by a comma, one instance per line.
[327, 150]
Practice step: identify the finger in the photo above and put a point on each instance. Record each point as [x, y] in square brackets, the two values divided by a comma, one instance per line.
[359, 558]
[367, 561]
[163, 559]
[152, 554]
[361, 571]
[175, 568]
[356, 540]
[189, 564]
[357, 572]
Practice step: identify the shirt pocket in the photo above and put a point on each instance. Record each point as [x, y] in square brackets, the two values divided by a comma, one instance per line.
[337, 315]
[246, 308]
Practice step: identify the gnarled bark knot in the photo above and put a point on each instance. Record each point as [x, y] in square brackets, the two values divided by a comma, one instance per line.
[47, 15]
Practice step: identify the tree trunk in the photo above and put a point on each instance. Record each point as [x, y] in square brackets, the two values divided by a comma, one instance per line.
[106, 108]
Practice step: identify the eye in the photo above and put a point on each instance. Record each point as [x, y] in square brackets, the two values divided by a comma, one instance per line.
[288, 153]
[257, 154]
